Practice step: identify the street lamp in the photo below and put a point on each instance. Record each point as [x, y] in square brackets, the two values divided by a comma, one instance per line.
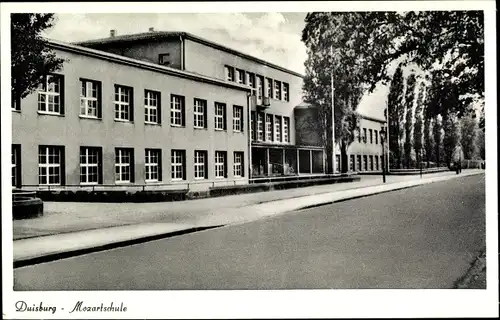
[382, 138]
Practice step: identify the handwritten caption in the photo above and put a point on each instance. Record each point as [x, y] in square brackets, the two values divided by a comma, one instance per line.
[80, 306]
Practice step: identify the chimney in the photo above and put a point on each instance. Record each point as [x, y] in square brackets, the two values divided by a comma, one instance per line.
[112, 33]
[151, 29]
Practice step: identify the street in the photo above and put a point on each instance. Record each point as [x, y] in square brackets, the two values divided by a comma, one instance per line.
[420, 237]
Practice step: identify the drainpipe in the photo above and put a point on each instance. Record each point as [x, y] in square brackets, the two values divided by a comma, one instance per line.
[249, 133]
[182, 53]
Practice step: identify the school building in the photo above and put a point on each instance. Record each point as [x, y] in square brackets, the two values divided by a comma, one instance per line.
[164, 110]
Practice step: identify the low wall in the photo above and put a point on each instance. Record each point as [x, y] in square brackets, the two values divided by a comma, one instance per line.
[26, 208]
[403, 172]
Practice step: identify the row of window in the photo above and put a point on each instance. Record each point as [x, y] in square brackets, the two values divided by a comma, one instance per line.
[363, 163]
[267, 87]
[364, 137]
[51, 101]
[276, 128]
[51, 165]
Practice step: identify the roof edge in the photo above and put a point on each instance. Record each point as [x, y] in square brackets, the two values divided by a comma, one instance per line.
[143, 64]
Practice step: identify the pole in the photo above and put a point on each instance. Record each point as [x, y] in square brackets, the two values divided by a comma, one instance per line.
[420, 163]
[333, 115]
[383, 158]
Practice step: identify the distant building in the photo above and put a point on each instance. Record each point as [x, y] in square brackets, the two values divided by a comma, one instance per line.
[164, 110]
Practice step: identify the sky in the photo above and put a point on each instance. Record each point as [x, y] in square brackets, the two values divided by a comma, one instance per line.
[271, 36]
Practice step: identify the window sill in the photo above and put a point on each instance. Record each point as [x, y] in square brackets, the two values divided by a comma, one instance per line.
[152, 182]
[122, 182]
[50, 114]
[89, 117]
[221, 130]
[177, 180]
[177, 126]
[15, 110]
[123, 121]
[200, 179]
[237, 131]
[152, 123]
[200, 128]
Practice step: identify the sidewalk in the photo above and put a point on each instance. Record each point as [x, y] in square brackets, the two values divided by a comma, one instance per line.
[75, 226]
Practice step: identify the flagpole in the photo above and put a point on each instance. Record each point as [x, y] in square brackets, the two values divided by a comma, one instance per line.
[333, 116]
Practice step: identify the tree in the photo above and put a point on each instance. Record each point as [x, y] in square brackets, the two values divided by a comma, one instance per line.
[451, 137]
[409, 101]
[437, 135]
[396, 113]
[31, 56]
[480, 145]
[331, 52]
[417, 130]
[468, 129]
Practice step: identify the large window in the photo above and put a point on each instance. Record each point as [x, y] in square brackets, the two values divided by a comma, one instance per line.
[178, 164]
[229, 73]
[238, 167]
[200, 164]
[364, 135]
[359, 139]
[358, 157]
[200, 114]
[251, 79]
[90, 165]
[371, 136]
[220, 116]
[376, 162]
[220, 164]
[124, 110]
[365, 163]
[50, 95]
[124, 165]
[50, 165]
[269, 86]
[286, 90]
[90, 98]
[277, 90]
[237, 118]
[269, 127]
[177, 111]
[240, 76]
[260, 126]
[16, 165]
[152, 107]
[260, 87]
[351, 163]
[371, 162]
[152, 165]
[376, 136]
[277, 128]
[286, 129]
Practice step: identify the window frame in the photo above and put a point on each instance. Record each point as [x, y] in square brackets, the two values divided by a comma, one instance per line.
[119, 153]
[199, 116]
[87, 165]
[260, 87]
[200, 167]
[220, 166]
[238, 166]
[86, 99]
[149, 97]
[149, 155]
[220, 117]
[269, 127]
[16, 165]
[277, 90]
[278, 127]
[119, 104]
[270, 88]
[238, 120]
[240, 76]
[162, 61]
[178, 167]
[177, 113]
[230, 73]
[286, 129]
[44, 90]
[261, 126]
[286, 91]
[47, 165]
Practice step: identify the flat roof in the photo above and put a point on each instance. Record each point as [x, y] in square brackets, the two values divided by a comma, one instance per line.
[144, 65]
[159, 35]
[305, 105]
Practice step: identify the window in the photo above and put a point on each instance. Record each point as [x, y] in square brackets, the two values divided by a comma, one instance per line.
[337, 163]
[286, 97]
[359, 162]
[251, 80]
[376, 163]
[177, 111]
[351, 163]
[359, 138]
[277, 128]
[371, 163]
[164, 59]
[124, 110]
[90, 98]
[200, 165]
[238, 164]
[277, 90]
[260, 126]
[220, 116]
[15, 103]
[286, 129]
[220, 164]
[252, 128]
[365, 163]
[178, 164]
[90, 165]
[152, 165]
[229, 73]
[269, 86]
[260, 87]
[371, 136]
[364, 135]
[50, 165]
[240, 76]
[16, 165]
[200, 114]
[152, 108]
[50, 95]
[269, 127]
[376, 136]
[124, 165]
[237, 118]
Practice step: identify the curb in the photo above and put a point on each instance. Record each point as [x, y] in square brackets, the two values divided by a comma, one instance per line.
[72, 253]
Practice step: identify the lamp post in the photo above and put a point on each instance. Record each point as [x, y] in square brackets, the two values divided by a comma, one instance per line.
[420, 162]
[382, 138]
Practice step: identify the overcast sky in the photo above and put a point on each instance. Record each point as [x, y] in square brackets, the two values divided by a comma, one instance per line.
[271, 36]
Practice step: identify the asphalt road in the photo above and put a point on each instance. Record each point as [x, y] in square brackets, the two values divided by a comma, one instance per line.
[421, 237]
